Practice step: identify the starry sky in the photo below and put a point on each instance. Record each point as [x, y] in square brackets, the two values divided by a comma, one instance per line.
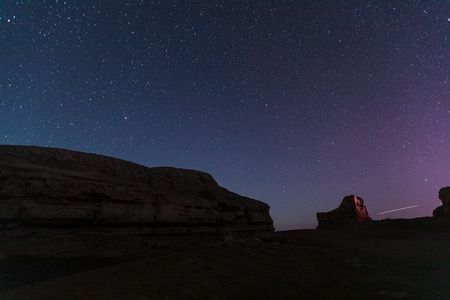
[295, 103]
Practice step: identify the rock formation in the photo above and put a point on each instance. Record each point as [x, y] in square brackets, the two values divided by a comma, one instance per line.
[53, 195]
[444, 209]
[351, 210]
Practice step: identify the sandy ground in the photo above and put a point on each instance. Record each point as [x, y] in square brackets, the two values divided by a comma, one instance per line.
[302, 264]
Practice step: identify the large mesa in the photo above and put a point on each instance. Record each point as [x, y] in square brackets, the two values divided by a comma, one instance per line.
[51, 196]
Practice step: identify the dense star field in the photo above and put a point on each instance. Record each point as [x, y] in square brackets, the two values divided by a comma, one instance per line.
[295, 103]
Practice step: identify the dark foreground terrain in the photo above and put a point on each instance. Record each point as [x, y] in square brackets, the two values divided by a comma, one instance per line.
[398, 259]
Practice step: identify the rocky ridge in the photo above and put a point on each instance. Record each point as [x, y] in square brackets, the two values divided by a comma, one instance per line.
[50, 195]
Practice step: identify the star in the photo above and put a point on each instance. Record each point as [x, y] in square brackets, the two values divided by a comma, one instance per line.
[296, 104]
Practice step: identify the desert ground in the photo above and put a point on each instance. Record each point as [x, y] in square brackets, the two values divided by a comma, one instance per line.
[392, 259]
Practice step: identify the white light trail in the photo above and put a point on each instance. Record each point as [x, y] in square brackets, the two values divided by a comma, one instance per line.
[389, 211]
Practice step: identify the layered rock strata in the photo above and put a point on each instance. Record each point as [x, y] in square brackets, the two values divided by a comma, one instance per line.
[444, 209]
[46, 193]
[351, 210]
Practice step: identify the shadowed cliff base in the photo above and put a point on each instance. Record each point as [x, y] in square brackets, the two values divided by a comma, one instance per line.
[387, 259]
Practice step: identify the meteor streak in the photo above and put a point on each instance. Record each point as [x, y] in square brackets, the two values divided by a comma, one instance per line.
[397, 209]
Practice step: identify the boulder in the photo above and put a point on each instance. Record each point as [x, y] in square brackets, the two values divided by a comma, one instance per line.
[444, 195]
[351, 210]
[47, 194]
[444, 209]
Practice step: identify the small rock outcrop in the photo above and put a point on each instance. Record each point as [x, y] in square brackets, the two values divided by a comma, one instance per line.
[351, 210]
[444, 209]
[58, 199]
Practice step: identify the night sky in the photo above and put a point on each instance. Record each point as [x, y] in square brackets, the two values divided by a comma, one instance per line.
[295, 103]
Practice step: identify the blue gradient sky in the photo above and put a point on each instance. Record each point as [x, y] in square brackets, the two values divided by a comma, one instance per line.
[295, 104]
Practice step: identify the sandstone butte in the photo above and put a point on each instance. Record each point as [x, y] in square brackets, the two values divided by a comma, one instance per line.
[62, 203]
[351, 210]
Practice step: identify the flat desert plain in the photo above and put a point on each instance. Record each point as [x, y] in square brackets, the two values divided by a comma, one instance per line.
[392, 259]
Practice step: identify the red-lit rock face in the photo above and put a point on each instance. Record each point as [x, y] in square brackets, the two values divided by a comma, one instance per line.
[351, 209]
[360, 209]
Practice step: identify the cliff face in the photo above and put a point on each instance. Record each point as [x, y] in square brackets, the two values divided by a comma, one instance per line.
[55, 189]
[351, 210]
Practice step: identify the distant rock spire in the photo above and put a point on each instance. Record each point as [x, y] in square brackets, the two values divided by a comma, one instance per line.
[444, 209]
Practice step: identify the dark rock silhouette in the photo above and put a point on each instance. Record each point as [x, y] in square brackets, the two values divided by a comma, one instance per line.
[53, 195]
[351, 210]
[444, 209]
